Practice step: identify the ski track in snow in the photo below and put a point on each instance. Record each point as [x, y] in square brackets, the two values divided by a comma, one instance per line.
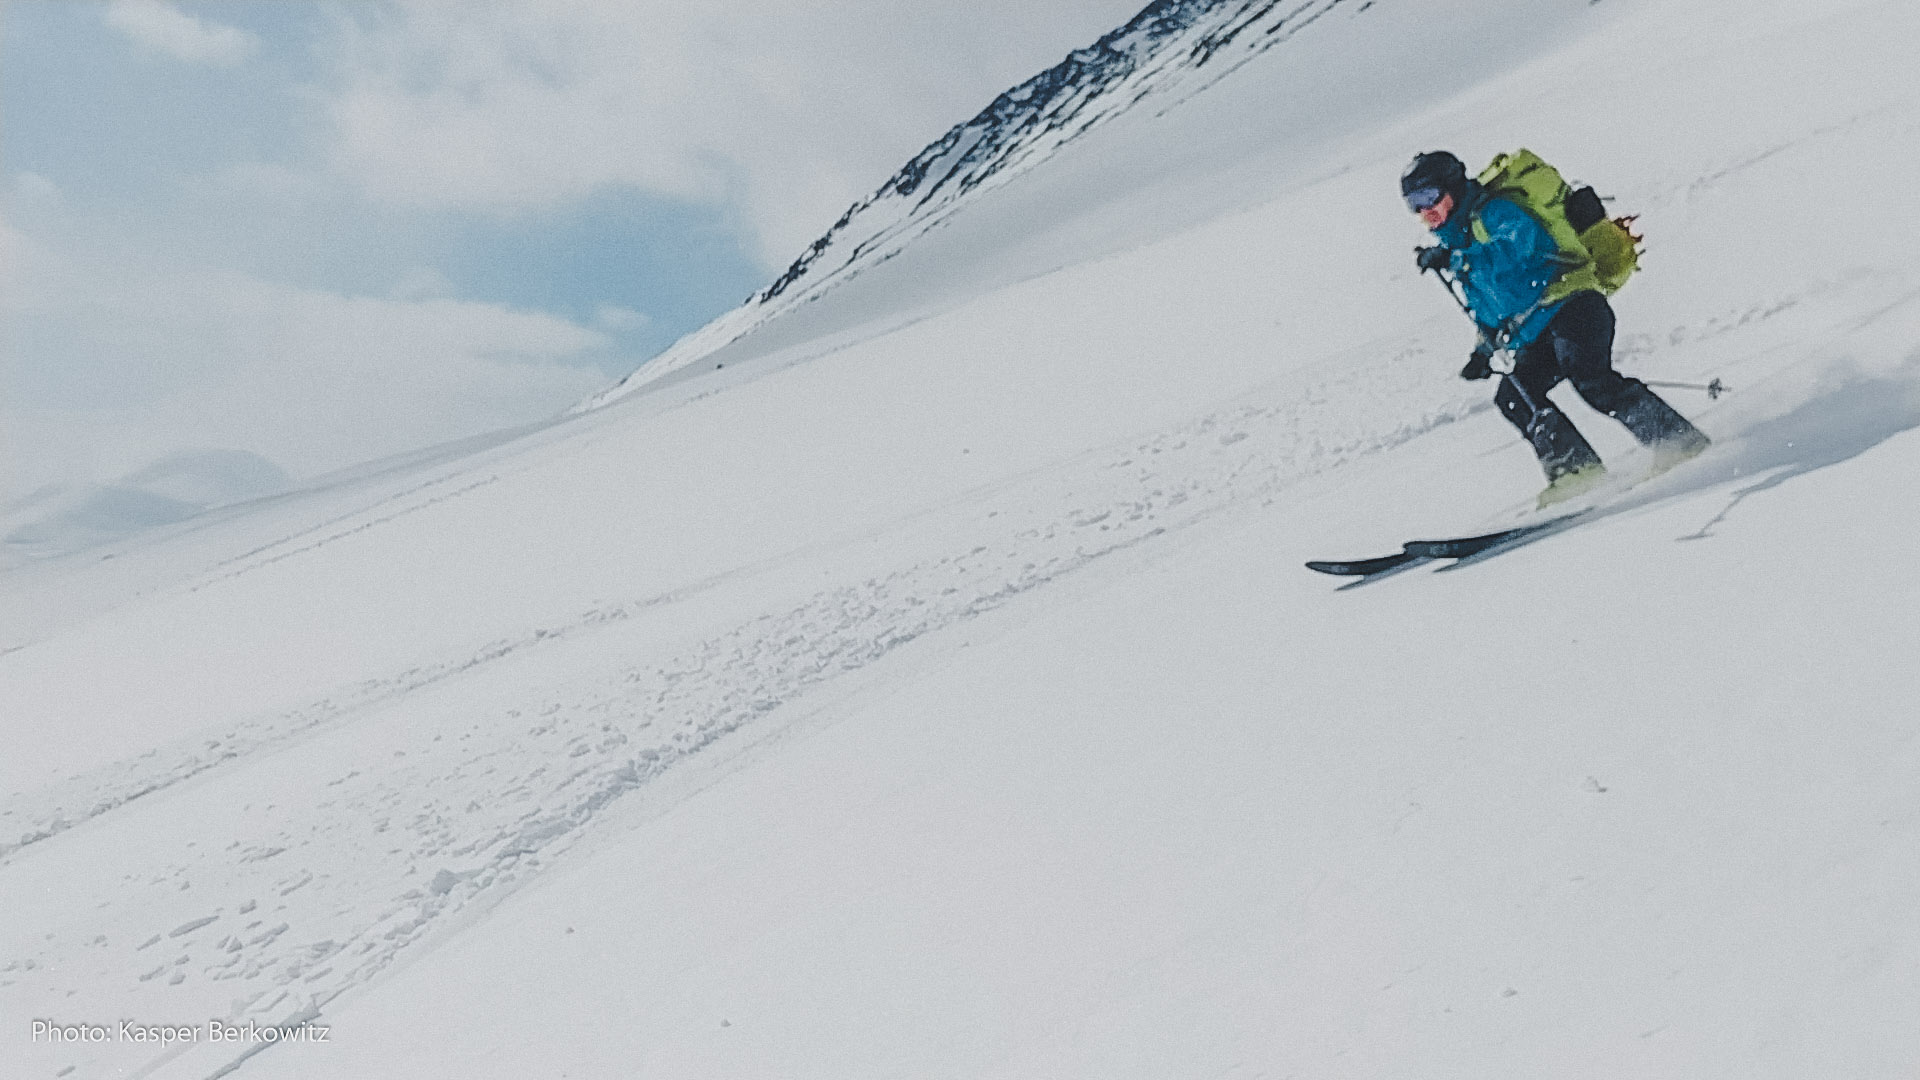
[306, 904]
[402, 810]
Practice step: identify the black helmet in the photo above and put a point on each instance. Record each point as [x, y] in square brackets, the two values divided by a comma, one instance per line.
[1435, 169]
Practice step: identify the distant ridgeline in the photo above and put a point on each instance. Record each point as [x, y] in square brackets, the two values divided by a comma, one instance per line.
[1159, 50]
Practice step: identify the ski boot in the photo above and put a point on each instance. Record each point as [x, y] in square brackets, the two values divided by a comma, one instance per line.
[1672, 437]
[1673, 452]
[1571, 483]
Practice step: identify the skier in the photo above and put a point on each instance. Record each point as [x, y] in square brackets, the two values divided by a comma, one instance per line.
[1526, 297]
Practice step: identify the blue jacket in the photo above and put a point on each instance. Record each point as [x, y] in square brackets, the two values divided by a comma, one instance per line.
[1504, 275]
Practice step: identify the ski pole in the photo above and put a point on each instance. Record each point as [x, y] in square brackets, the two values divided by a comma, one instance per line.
[1459, 301]
[1714, 389]
[1500, 351]
[1498, 342]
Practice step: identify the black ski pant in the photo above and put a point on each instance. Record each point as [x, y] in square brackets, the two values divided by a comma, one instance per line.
[1578, 346]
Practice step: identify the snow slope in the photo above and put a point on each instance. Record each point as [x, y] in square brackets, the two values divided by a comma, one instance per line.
[926, 683]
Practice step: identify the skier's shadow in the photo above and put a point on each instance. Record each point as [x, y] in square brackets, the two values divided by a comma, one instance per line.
[1853, 417]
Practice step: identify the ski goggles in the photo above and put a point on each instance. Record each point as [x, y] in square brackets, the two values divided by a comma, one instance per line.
[1426, 198]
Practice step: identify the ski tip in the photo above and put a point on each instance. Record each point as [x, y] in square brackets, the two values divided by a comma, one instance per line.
[1361, 567]
[1338, 569]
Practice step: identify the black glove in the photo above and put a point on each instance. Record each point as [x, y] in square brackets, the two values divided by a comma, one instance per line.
[1433, 257]
[1479, 365]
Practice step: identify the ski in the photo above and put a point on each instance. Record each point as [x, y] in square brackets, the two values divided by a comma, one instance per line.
[1364, 567]
[1464, 547]
[1459, 547]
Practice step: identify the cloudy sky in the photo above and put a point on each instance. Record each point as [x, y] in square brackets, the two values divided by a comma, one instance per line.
[327, 231]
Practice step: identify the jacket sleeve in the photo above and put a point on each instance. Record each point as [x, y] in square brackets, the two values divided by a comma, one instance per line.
[1512, 267]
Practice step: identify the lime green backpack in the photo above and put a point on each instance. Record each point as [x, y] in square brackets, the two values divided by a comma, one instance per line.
[1598, 252]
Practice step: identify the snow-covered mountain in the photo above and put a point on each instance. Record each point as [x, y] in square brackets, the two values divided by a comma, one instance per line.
[920, 678]
[1171, 49]
[65, 518]
[1150, 55]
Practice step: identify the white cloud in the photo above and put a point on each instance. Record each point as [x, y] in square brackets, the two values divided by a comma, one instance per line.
[160, 26]
[122, 346]
[14, 253]
[614, 317]
[137, 362]
[31, 188]
[781, 113]
[421, 283]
